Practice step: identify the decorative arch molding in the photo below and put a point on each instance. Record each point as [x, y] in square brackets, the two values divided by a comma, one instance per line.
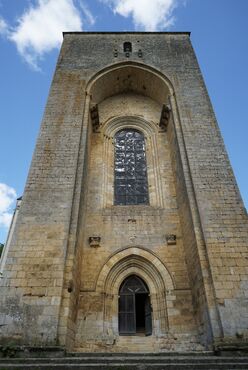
[113, 125]
[129, 255]
[149, 129]
[142, 80]
[140, 262]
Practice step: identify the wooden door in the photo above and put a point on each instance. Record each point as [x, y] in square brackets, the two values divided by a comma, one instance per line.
[148, 316]
[127, 322]
[132, 287]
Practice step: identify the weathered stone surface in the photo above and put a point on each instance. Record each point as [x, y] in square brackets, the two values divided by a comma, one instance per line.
[56, 288]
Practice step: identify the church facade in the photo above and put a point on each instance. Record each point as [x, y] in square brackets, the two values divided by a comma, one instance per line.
[131, 235]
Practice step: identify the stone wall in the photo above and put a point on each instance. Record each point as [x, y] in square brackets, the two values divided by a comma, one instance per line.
[51, 292]
[121, 227]
[34, 271]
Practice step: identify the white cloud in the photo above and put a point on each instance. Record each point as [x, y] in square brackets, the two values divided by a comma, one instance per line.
[149, 15]
[87, 13]
[3, 27]
[7, 199]
[40, 28]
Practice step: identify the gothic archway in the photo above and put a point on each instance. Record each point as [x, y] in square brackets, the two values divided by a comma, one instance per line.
[146, 266]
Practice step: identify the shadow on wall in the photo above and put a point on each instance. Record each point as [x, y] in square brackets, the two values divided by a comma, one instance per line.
[1, 248]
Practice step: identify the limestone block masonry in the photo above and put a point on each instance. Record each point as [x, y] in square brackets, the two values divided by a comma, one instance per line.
[72, 247]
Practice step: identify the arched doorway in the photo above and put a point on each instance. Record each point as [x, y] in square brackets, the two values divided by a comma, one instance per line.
[135, 312]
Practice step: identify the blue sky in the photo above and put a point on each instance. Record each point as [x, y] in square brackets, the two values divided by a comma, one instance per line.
[30, 36]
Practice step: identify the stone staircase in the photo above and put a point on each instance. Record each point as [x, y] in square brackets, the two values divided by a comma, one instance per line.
[131, 361]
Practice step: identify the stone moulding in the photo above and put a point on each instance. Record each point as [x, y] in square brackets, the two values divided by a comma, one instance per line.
[143, 263]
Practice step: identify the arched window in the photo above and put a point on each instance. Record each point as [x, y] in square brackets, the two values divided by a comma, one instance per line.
[127, 47]
[131, 185]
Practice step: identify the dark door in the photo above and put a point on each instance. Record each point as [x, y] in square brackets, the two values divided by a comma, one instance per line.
[127, 322]
[134, 307]
[148, 316]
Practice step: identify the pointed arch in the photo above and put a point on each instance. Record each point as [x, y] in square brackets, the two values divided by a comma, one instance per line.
[119, 263]
[146, 265]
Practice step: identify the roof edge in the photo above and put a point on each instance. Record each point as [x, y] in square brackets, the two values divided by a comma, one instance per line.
[125, 33]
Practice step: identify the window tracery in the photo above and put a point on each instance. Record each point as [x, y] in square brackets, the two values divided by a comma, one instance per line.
[131, 186]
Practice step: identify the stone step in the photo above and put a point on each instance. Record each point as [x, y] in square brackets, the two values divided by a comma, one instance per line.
[127, 366]
[129, 362]
[141, 354]
[123, 359]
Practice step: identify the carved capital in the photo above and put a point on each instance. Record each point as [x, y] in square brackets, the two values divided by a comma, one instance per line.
[94, 241]
[171, 239]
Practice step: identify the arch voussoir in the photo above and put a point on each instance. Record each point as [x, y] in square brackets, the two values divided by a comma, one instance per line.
[143, 259]
[147, 266]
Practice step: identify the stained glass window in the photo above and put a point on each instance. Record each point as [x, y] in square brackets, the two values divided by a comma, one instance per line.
[131, 185]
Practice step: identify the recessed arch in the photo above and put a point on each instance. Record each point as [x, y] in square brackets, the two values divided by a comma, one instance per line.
[116, 262]
[121, 80]
[113, 125]
[147, 266]
[129, 76]
[149, 130]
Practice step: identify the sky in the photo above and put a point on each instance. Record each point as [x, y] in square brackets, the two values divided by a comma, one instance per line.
[30, 38]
